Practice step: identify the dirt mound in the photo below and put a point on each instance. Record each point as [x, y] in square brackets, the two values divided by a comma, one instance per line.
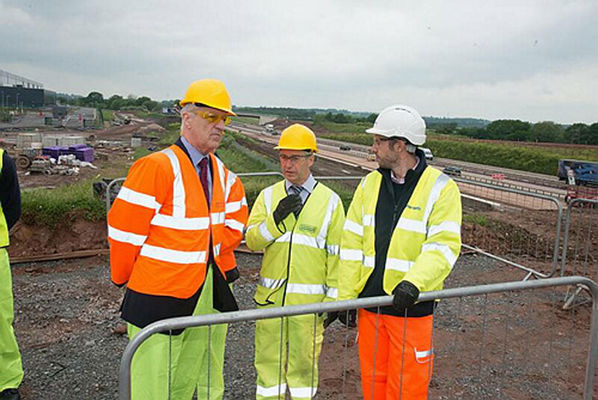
[75, 233]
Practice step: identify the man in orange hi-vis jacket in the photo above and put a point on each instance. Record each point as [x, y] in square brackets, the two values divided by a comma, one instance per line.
[172, 231]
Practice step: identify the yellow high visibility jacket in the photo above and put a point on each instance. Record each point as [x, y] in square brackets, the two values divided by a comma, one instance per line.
[301, 255]
[4, 241]
[424, 245]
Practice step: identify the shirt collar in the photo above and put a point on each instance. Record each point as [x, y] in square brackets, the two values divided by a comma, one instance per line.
[308, 185]
[401, 181]
[195, 155]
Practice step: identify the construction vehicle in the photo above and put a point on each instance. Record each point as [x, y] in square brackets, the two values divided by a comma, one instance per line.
[582, 179]
[583, 172]
[26, 157]
[270, 129]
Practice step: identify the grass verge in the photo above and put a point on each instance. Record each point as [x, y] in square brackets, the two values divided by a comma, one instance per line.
[48, 207]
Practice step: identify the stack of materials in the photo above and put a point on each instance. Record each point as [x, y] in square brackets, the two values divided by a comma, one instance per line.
[80, 151]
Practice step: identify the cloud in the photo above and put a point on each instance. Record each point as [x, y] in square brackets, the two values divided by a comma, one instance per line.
[457, 59]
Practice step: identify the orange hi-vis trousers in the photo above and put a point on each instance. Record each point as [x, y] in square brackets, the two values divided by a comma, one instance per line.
[395, 354]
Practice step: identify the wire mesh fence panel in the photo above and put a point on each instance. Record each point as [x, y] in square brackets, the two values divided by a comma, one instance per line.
[520, 227]
[501, 341]
[580, 247]
[513, 346]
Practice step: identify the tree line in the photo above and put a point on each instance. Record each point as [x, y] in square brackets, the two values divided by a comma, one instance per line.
[114, 102]
[522, 131]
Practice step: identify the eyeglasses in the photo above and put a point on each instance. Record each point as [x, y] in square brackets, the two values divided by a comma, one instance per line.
[292, 159]
[213, 118]
[379, 140]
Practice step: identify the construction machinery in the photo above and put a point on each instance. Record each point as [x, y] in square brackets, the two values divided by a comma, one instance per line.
[26, 157]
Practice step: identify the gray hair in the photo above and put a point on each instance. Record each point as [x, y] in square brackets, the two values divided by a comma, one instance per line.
[188, 108]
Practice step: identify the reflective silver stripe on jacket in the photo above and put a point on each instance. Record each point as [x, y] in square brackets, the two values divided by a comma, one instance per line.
[126, 237]
[173, 256]
[271, 283]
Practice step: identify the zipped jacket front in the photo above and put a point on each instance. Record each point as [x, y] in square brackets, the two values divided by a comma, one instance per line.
[160, 225]
[301, 254]
[425, 242]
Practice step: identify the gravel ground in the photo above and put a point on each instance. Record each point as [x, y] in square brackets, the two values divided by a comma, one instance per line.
[511, 346]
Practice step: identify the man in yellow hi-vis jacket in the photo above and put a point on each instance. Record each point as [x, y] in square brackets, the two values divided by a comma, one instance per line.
[11, 370]
[298, 223]
[402, 236]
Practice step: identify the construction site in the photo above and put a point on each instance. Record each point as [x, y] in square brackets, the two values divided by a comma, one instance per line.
[536, 340]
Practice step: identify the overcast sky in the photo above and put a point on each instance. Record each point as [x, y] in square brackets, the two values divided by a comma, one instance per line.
[529, 60]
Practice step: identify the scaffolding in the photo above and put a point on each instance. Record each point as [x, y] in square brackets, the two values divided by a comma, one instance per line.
[8, 79]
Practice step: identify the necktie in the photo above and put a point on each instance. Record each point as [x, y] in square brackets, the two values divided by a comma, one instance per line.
[294, 189]
[203, 178]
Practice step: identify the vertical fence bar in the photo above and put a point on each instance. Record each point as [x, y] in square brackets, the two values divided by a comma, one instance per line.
[580, 256]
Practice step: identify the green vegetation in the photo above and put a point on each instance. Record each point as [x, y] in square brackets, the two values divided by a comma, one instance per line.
[140, 152]
[240, 159]
[4, 116]
[476, 219]
[115, 102]
[48, 207]
[247, 120]
[354, 127]
[172, 133]
[359, 138]
[508, 156]
[521, 131]
[107, 114]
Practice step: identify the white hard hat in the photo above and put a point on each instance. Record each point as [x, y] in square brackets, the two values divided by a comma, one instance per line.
[400, 121]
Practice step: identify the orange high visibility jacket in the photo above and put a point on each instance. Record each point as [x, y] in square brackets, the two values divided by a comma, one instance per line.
[159, 226]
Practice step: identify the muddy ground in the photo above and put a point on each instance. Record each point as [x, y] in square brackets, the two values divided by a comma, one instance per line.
[512, 346]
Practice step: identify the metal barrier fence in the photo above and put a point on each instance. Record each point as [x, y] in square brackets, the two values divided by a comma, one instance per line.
[580, 243]
[520, 228]
[556, 191]
[505, 340]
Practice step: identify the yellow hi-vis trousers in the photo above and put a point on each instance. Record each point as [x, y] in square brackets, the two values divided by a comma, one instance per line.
[11, 370]
[301, 338]
[173, 367]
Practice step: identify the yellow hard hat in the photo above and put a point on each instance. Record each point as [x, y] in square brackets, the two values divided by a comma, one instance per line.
[297, 137]
[210, 92]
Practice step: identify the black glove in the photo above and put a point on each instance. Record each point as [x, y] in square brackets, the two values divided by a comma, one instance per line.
[289, 204]
[348, 318]
[405, 295]
[330, 318]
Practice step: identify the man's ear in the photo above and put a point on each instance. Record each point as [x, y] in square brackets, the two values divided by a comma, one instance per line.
[398, 146]
[185, 116]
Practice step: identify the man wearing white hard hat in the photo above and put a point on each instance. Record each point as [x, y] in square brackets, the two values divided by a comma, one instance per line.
[402, 236]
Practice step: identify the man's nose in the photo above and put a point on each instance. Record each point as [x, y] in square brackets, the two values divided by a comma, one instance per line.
[220, 125]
